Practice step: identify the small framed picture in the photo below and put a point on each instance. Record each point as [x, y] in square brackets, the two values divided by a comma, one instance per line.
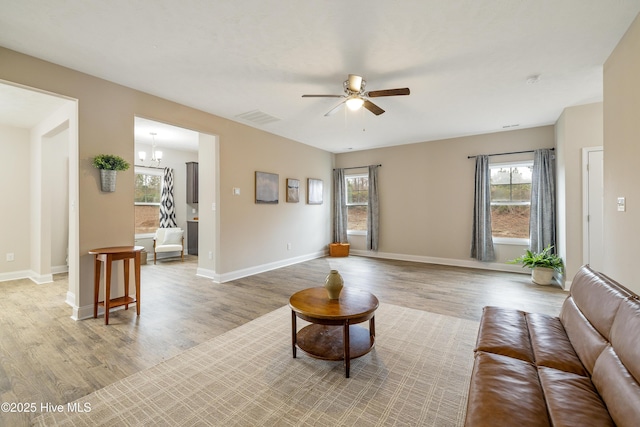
[293, 190]
[314, 191]
[267, 187]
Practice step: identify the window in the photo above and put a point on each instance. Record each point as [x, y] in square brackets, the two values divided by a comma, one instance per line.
[511, 199]
[147, 196]
[357, 195]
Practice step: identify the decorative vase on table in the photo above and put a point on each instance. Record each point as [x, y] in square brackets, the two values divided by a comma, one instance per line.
[334, 284]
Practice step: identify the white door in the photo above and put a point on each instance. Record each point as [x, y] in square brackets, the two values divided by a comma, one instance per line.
[594, 228]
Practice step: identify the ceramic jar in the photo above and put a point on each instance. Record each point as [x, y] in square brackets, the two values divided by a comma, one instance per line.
[334, 284]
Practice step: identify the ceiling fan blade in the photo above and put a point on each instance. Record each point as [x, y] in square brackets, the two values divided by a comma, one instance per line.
[388, 92]
[335, 109]
[322, 96]
[355, 83]
[373, 107]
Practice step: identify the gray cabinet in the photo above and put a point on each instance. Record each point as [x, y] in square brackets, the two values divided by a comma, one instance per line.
[192, 237]
[192, 183]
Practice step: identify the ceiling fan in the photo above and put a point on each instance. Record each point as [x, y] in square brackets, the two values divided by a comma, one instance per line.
[355, 96]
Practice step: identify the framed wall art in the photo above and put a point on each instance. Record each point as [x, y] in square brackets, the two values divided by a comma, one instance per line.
[293, 190]
[267, 187]
[314, 191]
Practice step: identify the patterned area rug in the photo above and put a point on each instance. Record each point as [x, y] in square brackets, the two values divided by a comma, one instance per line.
[418, 374]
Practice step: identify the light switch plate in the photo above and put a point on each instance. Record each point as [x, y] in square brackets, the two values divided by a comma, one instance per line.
[236, 191]
[621, 204]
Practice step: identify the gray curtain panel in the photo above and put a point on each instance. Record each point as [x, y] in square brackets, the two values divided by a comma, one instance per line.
[373, 213]
[167, 206]
[481, 239]
[542, 220]
[339, 208]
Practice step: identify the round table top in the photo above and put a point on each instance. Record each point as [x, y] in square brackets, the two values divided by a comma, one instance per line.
[116, 250]
[315, 302]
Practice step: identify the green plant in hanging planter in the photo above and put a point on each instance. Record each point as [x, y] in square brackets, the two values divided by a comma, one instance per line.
[109, 165]
[110, 162]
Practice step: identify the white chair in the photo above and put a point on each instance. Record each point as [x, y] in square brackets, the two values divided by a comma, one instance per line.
[168, 240]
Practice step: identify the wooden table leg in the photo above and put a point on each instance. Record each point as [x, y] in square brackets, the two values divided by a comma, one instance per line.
[372, 329]
[107, 288]
[96, 285]
[126, 280]
[347, 355]
[294, 333]
[136, 264]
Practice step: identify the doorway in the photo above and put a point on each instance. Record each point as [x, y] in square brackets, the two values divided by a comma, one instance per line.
[45, 126]
[593, 197]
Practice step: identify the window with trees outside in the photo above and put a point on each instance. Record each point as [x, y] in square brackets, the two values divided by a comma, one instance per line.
[511, 199]
[357, 199]
[147, 197]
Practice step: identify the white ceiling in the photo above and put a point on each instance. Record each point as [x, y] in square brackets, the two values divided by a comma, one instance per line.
[466, 61]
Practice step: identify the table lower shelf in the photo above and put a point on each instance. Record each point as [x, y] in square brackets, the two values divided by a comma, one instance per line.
[117, 302]
[326, 342]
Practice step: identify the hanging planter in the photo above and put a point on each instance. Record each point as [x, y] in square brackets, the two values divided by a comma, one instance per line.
[109, 165]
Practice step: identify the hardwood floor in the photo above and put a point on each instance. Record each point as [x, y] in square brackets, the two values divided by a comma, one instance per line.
[46, 357]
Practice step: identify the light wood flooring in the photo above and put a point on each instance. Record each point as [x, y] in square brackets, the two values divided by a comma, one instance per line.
[46, 357]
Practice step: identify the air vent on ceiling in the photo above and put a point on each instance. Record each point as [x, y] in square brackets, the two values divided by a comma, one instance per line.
[257, 117]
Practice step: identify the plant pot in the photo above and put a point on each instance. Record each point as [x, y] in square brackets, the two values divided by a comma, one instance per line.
[108, 180]
[542, 275]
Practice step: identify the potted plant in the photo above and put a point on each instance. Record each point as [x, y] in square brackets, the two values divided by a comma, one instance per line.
[109, 165]
[542, 264]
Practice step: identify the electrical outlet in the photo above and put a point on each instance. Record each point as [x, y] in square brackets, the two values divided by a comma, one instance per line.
[288, 246]
[10, 256]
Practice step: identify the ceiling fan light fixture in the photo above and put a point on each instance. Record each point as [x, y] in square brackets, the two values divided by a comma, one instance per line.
[354, 102]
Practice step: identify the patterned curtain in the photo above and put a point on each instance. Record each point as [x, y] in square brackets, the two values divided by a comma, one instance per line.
[167, 207]
[481, 238]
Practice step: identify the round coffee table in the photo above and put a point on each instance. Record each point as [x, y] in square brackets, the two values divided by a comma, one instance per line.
[332, 334]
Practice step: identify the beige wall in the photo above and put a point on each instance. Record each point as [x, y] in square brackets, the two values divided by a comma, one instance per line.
[577, 128]
[426, 194]
[250, 236]
[621, 156]
[14, 215]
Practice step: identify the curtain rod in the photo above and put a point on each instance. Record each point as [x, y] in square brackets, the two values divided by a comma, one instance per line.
[358, 167]
[504, 154]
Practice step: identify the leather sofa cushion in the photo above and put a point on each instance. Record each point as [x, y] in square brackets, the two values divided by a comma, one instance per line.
[619, 390]
[587, 342]
[572, 400]
[599, 297]
[625, 336]
[505, 392]
[504, 331]
[551, 347]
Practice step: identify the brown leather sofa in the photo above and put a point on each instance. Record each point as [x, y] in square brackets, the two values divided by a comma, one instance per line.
[579, 369]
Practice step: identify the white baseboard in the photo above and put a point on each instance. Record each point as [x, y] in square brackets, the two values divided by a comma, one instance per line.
[27, 274]
[15, 275]
[208, 274]
[238, 274]
[495, 266]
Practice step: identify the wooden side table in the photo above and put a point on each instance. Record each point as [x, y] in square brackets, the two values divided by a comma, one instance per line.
[107, 256]
[332, 334]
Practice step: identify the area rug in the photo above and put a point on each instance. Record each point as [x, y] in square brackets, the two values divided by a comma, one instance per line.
[418, 374]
